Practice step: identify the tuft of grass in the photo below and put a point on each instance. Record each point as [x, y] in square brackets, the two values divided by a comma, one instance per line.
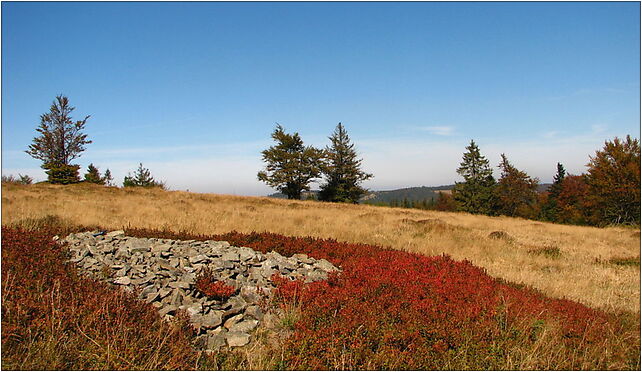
[549, 251]
[620, 261]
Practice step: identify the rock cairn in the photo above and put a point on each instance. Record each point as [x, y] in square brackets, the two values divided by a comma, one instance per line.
[164, 273]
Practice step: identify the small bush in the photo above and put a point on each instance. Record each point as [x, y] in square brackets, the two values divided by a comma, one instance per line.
[500, 235]
[620, 261]
[208, 285]
[550, 252]
[62, 173]
[21, 180]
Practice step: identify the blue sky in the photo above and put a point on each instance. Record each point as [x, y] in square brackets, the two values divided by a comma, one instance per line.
[193, 90]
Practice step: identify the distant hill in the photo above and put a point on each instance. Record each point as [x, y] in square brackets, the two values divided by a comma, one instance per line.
[410, 193]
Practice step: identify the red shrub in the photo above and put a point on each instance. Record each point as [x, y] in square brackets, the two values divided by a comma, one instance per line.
[395, 310]
[209, 286]
[53, 318]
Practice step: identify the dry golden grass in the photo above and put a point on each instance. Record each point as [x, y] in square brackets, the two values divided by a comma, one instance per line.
[581, 268]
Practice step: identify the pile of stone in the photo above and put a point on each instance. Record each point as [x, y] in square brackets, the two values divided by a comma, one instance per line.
[164, 273]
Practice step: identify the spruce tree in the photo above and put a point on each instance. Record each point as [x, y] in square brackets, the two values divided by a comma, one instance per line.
[60, 141]
[290, 165]
[516, 191]
[93, 175]
[550, 210]
[556, 187]
[142, 178]
[342, 170]
[107, 178]
[475, 194]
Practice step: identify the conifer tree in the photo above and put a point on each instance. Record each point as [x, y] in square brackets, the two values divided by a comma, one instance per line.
[516, 191]
[614, 181]
[93, 175]
[60, 141]
[550, 209]
[342, 170]
[142, 178]
[475, 194]
[107, 178]
[290, 165]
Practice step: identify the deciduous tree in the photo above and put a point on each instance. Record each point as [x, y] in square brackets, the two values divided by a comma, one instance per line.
[574, 202]
[614, 181]
[516, 191]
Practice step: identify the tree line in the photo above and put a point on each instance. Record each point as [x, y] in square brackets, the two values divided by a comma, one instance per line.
[608, 193]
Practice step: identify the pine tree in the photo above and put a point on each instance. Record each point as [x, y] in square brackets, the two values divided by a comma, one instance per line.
[60, 141]
[107, 178]
[93, 175]
[475, 194]
[342, 170]
[142, 178]
[556, 187]
[290, 165]
[516, 191]
[614, 181]
[550, 208]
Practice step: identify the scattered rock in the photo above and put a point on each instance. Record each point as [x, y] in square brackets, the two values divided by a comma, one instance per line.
[164, 272]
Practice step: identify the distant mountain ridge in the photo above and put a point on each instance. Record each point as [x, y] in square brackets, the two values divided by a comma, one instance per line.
[417, 193]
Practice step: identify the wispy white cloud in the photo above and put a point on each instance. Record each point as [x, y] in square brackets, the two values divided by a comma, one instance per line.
[438, 130]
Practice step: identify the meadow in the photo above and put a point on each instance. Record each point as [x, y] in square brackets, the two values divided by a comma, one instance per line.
[598, 267]
[418, 289]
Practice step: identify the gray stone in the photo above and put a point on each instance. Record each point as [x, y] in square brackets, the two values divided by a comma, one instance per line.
[183, 285]
[232, 321]
[212, 320]
[168, 309]
[325, 265]
[123, 280]
[231, 256]
[198, 259]
[250, 294]
[255, 312]
[244, 326]
[235, 339]
[215, 342]
[164, 292]
[116, 233]
[152, 297]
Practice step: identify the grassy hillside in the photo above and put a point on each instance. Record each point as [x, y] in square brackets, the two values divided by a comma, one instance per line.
[597, 267]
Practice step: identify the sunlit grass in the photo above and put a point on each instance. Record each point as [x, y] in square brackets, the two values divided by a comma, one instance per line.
[583, 266]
